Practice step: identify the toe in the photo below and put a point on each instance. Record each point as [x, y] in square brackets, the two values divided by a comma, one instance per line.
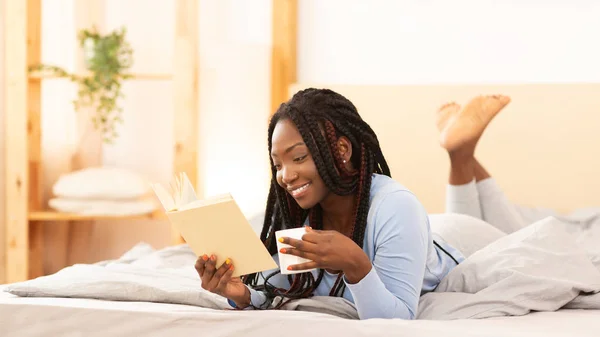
[448, 106]
[504, 99]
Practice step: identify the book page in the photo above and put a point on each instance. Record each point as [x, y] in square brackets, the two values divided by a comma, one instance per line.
[178, 193]
[165, 198]
[206, 202]
[187, 194]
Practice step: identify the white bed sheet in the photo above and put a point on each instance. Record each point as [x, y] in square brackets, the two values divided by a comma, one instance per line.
[28, 316]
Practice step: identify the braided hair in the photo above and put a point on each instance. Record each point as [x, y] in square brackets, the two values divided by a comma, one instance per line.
[321, 116]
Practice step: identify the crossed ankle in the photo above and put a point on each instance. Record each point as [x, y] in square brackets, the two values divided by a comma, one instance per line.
[461, 157]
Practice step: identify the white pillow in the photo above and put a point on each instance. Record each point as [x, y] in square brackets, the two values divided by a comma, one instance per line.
[101, 183]
[102, 207]
[465, 233]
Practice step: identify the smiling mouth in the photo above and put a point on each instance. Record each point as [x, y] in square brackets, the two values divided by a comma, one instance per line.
[299, 191]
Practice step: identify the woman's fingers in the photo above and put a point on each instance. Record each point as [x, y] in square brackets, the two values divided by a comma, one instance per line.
[302, 266]
[200, 264]
[214, 279]
[299, 244]
[313, 236]
[298, 252]
[218, 275]
[209, 269]
[224, 279]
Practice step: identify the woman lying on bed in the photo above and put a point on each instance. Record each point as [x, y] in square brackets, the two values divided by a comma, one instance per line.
[471, 190]
[369, 237]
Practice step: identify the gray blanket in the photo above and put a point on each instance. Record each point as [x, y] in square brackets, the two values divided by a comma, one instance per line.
[544, 267]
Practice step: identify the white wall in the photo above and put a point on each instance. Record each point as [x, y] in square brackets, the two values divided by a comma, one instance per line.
[235, 40]
[57, 114]
[437, 41]
[146, 141]
[393, 42]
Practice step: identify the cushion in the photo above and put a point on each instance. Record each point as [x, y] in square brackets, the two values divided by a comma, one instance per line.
[105, 183]
[464, 232]
[102, 207]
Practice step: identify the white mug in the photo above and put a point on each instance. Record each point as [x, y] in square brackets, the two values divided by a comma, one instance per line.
[286, 260]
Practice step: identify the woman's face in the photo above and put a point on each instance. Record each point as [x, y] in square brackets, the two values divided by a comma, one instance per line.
[296, 170]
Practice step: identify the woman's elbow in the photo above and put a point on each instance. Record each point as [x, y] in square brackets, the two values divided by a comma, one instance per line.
[400, 312]
[405, 311]
[406, 314]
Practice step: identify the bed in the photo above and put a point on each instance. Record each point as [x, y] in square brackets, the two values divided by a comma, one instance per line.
[156, 292]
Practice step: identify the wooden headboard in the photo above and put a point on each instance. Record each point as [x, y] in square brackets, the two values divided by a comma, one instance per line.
[543, 148]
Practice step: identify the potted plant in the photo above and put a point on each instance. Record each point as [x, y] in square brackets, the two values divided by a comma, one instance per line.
[107, 58]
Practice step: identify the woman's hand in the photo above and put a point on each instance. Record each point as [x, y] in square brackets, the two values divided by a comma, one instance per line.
[329, 250]
[219, 281]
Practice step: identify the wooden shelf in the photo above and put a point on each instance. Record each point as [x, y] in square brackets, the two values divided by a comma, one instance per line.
[49, 215]
[136, 77]
[22, 235]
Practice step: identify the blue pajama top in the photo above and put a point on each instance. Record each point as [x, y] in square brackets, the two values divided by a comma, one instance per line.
[405, 261]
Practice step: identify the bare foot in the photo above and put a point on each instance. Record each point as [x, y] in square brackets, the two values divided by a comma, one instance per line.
[461, 129]
[444, 113]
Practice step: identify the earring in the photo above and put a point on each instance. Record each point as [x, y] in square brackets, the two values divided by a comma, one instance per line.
[344, 161]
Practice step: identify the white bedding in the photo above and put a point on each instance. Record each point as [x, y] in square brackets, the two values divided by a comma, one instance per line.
[549, 266]
[24, 317]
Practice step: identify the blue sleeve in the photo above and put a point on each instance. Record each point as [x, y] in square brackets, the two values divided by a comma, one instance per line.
[393, 286]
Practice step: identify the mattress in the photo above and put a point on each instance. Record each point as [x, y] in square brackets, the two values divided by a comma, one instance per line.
[25, 317]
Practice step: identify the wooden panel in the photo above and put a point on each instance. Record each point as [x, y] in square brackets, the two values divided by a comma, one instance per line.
[80, 236]
[34, 56]
[283, 56]
[2, 149]
[55, 247]
[185, 91]
[15, 107]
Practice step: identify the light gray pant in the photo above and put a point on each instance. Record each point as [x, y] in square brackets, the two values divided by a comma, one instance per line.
[486, 201]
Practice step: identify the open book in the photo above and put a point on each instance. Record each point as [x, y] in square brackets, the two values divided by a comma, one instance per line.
[214, 226]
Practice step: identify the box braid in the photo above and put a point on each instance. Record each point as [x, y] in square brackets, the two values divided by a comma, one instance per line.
[321, 116]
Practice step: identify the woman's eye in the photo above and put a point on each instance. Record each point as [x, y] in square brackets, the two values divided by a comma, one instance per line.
[299, 159]
[277, 167]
